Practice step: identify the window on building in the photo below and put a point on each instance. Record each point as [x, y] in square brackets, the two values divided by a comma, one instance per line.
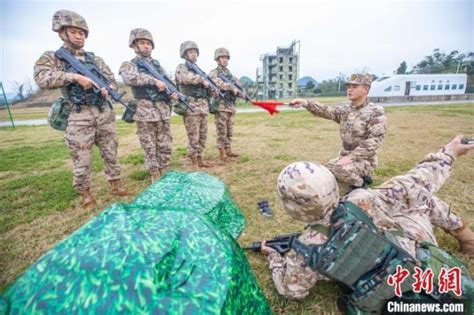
[281, 68]
[396, 88]
[432, 87]
[418, 87]
[388, 89]
[281, 85]
[290, 85]
[290, 77]
[440, 86]
[446, 86]
[440, 81]
[281, 76]
[291, 68]
[425, 87]
[454, 87]
[281, 59]
[291, 59]
[461, 86]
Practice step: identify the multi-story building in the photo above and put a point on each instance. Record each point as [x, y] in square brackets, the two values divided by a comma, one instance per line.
[279, 73]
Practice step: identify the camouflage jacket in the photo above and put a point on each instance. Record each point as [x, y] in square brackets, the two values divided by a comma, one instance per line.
[362, 128]
[405, 202]
[214, 74]
[186, 77]
[147, 110]
[49, 73]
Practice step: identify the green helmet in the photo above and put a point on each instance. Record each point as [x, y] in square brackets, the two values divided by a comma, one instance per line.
[307, 191]
[187, 45]
[220, 52]
[140, 33]
[65, 18]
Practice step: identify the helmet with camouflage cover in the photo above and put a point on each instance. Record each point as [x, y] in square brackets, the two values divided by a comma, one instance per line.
[140, 33]
[65, 18]
[220, 52]
[187, 45]
[307, 190]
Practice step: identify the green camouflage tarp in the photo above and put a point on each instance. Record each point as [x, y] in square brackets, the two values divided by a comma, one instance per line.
[172, 251]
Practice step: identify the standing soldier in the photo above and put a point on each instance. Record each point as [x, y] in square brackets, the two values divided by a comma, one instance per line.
[91, 119]
[225, 114]
[153, 104]
[197, 89]
[362, 131]
[407, 202]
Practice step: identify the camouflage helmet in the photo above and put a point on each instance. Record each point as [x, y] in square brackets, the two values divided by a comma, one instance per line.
[307, 190]
[221, 52]
[360, 79]
[64, 18]
[187, 45]
[140, 33]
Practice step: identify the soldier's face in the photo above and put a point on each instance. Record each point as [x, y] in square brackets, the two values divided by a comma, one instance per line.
[144, 47]
[192, 55]
[75, 36]
[357, 91]
[223, 61]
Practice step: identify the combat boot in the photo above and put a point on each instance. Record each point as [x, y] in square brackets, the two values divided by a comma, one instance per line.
[222, 155]
[164, 170]
[201, 163]
[88, 201]
[155, 175]
[230, 153]
[465, 237]
[194, 162]
[116, 188]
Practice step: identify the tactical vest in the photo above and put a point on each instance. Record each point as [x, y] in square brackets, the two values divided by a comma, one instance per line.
[360, 256]
[193, 90]
[228, 95]
[75, 93]
[149, 92]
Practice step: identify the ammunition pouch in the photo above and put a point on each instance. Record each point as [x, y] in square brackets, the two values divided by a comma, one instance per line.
[58, 114]
[213, 105]
[180, 109]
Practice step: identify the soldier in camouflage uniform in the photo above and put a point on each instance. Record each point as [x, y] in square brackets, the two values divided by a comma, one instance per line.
[309, 193]
[362, 129]
[225, 114]
[196, 89]
[91, 119]
[153, 104]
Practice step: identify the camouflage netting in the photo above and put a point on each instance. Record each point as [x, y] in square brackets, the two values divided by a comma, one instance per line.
[172, 251]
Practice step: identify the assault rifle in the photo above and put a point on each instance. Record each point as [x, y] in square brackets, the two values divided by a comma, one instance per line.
[281, 244]
[95, 74]
[170, 86]
[194, 68]
[236, 86]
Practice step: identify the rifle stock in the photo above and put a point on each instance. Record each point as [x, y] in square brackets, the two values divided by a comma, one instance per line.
[281, 244]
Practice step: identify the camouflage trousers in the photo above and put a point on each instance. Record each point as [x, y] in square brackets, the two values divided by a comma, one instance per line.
[85, 129]
[156, 140]
[350, 174]
[225, 129]
[196, 129]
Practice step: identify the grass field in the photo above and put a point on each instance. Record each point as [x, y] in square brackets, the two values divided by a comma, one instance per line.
[38, 207]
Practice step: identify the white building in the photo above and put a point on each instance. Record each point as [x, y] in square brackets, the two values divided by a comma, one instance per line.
[419, 85]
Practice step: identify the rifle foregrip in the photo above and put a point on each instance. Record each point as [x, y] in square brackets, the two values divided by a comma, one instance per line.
[467, 141]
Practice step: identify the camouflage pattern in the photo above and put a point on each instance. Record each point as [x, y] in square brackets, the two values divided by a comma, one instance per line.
[362, 131]
[186, 77]
[360, 78]
[173, 251]
[307, 190]
[196, 129]
[156, 140]
[140, 33]
[187, 45]
[220, 52]
[214, 75]
[64, 18]
[404, 202]
[86, 128]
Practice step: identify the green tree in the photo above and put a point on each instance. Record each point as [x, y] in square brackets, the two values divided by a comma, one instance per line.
[310, 86]
[402, 69]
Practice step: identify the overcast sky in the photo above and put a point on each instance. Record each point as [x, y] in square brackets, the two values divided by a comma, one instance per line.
[336, 36]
